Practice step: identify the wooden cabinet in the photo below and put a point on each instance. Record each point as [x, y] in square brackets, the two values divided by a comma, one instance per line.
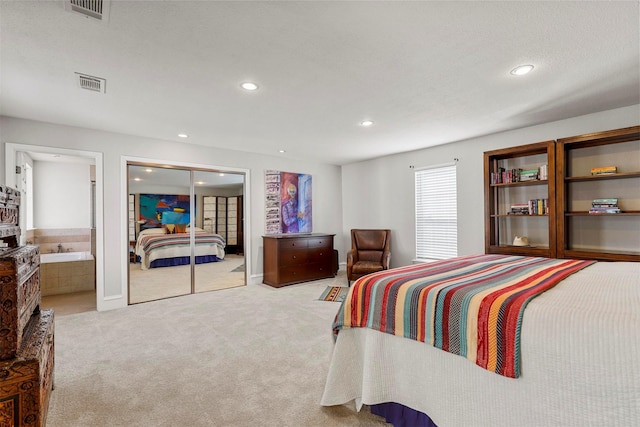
[296, 258]
[517, 203]
[602, 235]
[26, 381]
[26, 332]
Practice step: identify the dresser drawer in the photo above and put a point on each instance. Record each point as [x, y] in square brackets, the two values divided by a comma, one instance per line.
[285, 244]
[321, 242]
[292, 256]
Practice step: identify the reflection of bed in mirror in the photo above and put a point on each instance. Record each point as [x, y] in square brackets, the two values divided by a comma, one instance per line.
[157, 248]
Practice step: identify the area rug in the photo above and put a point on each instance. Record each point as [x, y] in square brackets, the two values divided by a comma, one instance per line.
[334, 293]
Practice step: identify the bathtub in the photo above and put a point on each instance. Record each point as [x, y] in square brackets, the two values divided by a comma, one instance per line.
[65, 257]
[67, 272]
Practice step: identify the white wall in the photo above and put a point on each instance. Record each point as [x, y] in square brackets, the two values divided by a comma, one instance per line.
[380, 193]
[63, 196]
[327, 197]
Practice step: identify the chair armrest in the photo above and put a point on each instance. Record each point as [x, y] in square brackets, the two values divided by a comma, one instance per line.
[386, 260]
[352, 257]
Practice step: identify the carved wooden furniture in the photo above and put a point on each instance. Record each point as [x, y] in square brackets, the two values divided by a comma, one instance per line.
[295, 258]
[26, 332]
[20, 296]
[370, 252]
[26, 380]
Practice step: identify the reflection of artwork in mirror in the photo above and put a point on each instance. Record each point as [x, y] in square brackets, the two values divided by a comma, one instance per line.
[159, 209]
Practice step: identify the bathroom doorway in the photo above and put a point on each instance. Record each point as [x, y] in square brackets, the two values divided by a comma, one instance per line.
[63, 227]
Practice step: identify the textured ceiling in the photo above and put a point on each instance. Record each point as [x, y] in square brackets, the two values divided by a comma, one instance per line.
[426, 73]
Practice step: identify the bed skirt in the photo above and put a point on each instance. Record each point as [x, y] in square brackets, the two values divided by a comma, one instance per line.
[401, 416]
[183, 260]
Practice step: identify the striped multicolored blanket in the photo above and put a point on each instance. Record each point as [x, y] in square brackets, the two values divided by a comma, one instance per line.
[154, 241]
[471, 306]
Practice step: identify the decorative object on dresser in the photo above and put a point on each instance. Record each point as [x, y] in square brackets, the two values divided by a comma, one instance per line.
[295, 258]
[26, 332]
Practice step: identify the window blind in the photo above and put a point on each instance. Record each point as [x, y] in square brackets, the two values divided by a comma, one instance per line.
[436, 213]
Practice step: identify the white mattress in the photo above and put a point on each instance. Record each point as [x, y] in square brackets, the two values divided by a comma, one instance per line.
[580, 363]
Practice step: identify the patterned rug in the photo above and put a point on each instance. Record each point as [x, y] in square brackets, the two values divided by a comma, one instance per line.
[334, 293]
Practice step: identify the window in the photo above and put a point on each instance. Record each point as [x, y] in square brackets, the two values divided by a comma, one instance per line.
[436, 212]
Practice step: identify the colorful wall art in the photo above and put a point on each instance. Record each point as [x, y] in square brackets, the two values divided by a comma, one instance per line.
[159, 209]
[288, 202]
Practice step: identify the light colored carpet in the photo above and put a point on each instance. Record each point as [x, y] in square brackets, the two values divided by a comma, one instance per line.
[166, 282]
[247, 356]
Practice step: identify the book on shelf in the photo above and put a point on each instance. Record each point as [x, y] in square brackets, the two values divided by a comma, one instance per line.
[604, 206]
[504, 176]
[532, 207]
[519, 209]
[604, 170]
[528, 175]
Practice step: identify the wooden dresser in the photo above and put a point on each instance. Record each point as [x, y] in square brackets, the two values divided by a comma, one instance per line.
[295, 258]
[26, 332]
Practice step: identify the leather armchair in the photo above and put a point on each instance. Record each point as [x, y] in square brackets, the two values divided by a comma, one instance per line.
[370, 252]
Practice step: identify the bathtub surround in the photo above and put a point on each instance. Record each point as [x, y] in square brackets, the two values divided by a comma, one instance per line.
[65, 273]
[71, 239]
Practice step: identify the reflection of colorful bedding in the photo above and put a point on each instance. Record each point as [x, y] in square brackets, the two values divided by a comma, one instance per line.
[152, 247]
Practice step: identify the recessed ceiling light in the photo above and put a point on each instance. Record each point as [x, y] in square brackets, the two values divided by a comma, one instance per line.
[281, 151]
[249, 86]
[366, 123]
[521, 70]
[220, 174]
[137, 179]
[201, 183]
[183, 135]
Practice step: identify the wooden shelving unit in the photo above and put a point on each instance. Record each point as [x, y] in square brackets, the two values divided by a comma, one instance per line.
[501, 226]
[608, 237]
[568, 230]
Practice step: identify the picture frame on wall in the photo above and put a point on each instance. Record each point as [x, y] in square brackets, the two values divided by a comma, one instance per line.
[288, 203]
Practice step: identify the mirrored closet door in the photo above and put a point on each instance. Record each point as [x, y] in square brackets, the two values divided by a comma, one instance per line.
[185, 231]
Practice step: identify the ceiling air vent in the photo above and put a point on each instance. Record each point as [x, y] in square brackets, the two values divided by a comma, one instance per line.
[92, 83]
[96, 9]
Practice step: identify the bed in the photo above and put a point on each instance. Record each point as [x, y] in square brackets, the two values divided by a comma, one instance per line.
[157, 248]
[578, 340]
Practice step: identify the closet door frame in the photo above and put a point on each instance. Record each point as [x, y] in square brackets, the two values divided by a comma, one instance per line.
[127, 160]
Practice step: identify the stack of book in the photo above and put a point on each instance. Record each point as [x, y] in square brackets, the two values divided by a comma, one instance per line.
[604, 206]
[519, 209]
[605, 170]
[528, 175]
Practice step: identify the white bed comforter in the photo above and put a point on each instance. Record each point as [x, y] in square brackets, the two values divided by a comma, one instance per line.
[580, 363]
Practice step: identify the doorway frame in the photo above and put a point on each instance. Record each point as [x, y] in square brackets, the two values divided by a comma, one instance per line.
[124, 209]
[11, 150]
